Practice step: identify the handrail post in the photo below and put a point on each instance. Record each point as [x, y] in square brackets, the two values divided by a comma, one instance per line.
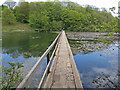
[48, 59]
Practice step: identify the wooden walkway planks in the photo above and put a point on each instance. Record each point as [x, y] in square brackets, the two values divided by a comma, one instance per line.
[63, 72]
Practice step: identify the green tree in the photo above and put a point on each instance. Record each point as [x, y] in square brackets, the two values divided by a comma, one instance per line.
[74, 20]
[56, 25]
[8, 16]
[22, 12]
[40, 20]
[3, 7]
[68, 15]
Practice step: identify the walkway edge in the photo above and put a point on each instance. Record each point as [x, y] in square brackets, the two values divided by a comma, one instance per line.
[77, 77]
[49, 80]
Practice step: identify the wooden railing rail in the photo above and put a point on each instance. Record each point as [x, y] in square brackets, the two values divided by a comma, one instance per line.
[46, 53]
[47, 68]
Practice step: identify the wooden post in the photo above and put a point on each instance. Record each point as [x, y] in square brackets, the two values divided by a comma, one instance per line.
[48, 59]
[54, 49]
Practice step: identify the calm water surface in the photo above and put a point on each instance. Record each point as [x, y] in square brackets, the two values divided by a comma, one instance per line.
[95, 59]
[27, 47]
[92, 65]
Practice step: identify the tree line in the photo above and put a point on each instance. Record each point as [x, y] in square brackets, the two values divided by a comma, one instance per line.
[60, 15]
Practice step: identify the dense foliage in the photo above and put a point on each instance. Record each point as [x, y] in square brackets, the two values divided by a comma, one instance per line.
[11, 76]
[8, 16]
[59, 15]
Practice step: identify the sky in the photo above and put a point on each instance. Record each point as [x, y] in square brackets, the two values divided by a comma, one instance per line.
[98, 3]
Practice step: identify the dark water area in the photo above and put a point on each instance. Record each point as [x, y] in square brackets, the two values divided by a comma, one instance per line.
[91, 56]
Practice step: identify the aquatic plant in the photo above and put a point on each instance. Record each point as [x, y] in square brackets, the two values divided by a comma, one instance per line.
[11, 76]
[106, 81]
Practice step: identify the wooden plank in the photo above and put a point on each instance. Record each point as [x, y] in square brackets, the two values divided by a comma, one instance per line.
[76, 74]
[31, 72]
[63, 72]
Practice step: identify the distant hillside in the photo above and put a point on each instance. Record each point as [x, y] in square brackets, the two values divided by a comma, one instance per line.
[60, 15]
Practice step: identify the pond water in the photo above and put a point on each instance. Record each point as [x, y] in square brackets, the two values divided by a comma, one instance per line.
[92, 65]
[95, 59]
[26, 48]
[91, 56]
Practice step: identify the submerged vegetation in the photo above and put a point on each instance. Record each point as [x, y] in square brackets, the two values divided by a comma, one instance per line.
[107, 81]
[85, 42]
[54, 16]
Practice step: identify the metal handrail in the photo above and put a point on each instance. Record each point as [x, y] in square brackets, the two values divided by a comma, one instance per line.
[22, 84]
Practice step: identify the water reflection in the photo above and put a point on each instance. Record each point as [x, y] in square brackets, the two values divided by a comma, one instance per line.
[26, 48]
[93, 57]
[28, 44]
[91, 65]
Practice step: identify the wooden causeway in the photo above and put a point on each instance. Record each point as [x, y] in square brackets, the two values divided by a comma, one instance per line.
[63, 72]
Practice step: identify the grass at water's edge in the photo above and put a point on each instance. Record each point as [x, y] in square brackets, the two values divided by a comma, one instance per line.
[20, 27]
[16, 27]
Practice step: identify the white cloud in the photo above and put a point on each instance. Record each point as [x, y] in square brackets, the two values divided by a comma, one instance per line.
[113, 62]
[98, 3]
[100, 70]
